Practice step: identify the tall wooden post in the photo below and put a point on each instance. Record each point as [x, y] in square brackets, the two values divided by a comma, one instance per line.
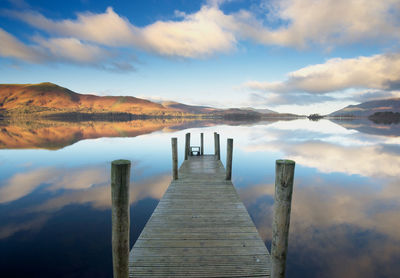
[201, 144]
[174, 144]
[187, 145]
[215, 143]
[284, 172]
[218, 148]
[229, 150]
[120, 175]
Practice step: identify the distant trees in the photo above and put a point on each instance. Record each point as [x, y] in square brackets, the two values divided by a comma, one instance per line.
[315, 117]
[385, 117]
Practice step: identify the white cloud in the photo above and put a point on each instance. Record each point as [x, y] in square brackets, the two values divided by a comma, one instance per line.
[210, 30]
[71, 49]
[292, 23]
[60, 50]
[107, 28]
[12, 47]
[357, 79]
[199, 34]
[374, 72]
[328, 22]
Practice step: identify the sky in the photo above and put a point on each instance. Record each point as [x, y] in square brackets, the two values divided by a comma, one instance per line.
[296, 56]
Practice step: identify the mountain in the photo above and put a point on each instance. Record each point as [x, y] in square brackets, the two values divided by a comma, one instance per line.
[184, 108]
[51, 101]
[369, 108]
[262, 111]
[48, 98]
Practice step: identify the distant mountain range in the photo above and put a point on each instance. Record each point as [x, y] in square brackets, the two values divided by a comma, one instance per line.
[52, 101]
[48, 100]
[369, 108]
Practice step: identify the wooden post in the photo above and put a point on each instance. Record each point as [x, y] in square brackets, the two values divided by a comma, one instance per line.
[174, 144]
[284, 172]
[120, 175]
[229, 150]
[187, 145]
[201, 144]
[215, 143]
[218, 148]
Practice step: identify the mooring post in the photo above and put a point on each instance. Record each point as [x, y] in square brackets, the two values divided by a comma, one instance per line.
[215, 143]
[218, 148]
[174, 144]
[229, 150]
[284, 175]
[201, 144]
[120, 175]
[187, 145]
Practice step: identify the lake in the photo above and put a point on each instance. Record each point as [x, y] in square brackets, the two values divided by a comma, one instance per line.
[55, 217]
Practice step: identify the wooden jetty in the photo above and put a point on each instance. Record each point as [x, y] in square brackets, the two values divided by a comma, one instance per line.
[200, 227]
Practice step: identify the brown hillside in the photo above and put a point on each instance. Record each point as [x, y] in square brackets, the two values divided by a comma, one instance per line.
[51, 97]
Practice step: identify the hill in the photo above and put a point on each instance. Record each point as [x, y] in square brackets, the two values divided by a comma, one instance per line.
[58, 103]
[48, 98]
[369, 108]
[184, 108]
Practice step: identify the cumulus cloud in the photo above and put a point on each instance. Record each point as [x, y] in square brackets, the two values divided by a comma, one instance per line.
[196, 35]
[328, 22]
[107, 28]
[210, 30]
[72, 49]
[373, 72]
[372, 77]
[12, 47]
[60, 50]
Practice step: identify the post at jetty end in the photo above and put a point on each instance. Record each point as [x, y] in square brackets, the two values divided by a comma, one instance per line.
[174, 144]
[284, 172]
[215, 143]
[229, 150]
[201, 144]
[120, 176]
[218, 154]
[187, 145]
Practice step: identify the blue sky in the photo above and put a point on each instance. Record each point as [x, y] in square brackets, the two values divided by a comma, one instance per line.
[301, 56]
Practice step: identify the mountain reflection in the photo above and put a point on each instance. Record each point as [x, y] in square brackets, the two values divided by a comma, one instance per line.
[56, 134]
[46, 134]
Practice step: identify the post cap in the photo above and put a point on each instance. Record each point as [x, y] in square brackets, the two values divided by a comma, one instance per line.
[285, 161]
[121, 162]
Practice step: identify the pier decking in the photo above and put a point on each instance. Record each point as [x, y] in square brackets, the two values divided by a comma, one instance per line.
[200, 228]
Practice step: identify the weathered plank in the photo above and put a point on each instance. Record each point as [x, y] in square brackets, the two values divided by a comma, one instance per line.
[200, 228]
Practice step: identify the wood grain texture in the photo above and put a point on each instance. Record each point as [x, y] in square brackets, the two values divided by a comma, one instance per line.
[200, 228]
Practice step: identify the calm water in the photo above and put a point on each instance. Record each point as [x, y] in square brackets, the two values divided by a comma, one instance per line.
[55, 218]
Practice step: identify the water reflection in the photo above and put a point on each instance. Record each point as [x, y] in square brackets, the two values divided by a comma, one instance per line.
[337, 230]
[47, 134]
[60, 188]
[345, 215]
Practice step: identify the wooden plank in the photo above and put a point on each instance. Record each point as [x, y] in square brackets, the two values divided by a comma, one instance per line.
[200, 228]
